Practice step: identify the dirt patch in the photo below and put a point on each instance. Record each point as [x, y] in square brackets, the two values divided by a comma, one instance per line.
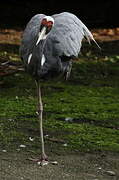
[83, 166]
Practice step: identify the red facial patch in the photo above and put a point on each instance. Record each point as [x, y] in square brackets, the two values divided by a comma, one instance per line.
[49, 23]
[46, 23]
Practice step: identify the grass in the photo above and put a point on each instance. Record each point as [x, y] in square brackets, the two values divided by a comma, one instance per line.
[90, 99]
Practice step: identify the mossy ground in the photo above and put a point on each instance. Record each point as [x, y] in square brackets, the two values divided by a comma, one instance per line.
[90, 98]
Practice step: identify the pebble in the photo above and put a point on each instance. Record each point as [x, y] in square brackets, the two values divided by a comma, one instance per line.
[22, 146]
[4, 150]
[16, 98]
[54, 162]
[18, 149]
[11, 119]
[69, 119]
[46, 135]
[111, 173]
[65, 145]
[31, 139]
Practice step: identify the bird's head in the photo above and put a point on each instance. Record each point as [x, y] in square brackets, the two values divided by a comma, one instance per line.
[46, 25]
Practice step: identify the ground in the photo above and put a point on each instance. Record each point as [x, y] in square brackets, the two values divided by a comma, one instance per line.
[81, 116]
[84, 166]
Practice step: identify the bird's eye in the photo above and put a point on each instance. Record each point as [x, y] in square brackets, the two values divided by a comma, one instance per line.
[44, 22]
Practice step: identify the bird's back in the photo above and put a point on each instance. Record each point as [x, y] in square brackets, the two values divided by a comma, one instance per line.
[62, 44]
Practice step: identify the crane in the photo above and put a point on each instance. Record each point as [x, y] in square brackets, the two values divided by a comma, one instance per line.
[48, 46]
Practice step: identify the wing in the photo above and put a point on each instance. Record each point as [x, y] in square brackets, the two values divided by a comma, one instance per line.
[64, 39]
[67, 34]
[29, 34]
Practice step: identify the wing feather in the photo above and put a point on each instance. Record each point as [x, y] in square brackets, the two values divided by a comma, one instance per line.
[30, 32]
[69, 31]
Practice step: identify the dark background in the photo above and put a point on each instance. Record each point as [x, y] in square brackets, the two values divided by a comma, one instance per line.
[17, 13]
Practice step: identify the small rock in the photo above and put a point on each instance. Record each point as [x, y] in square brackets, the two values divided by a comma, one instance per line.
[31, 139]
[54, 162]
[37, 113]
[22, 146]
[18, 149]
[11, 119]
[69, 119]
[46, 135]
[111, 173]
[65, 145]
[16, 75]
[16, 98]
[39, 163]
[4, 150]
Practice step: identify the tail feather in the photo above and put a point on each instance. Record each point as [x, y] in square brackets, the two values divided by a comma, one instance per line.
[89, 36]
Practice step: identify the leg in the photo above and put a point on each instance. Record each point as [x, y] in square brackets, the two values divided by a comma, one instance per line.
[44, 159]
[40, 115]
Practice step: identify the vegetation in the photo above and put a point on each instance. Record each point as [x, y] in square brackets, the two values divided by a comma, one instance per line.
[80, 114]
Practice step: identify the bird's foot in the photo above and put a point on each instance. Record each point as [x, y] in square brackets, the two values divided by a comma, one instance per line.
[43, 161]
[40, 161]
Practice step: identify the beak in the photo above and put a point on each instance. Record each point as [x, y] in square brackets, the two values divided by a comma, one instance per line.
[41, 35]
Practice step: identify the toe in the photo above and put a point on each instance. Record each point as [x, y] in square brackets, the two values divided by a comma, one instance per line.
[43, 163]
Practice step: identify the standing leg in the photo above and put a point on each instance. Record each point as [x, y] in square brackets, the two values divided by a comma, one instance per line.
[44, 159]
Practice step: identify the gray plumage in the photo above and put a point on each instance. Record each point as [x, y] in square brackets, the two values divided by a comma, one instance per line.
[62, 44]
[48, 45]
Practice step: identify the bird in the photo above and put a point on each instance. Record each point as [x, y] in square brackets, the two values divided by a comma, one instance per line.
[49, 45]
